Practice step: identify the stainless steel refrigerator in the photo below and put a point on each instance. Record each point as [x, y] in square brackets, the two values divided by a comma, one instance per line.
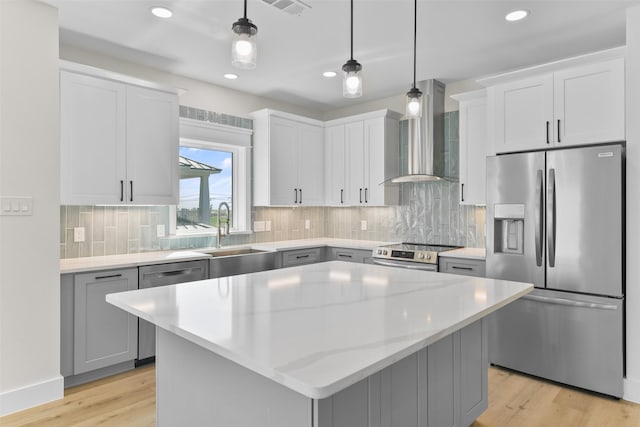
[556, 219]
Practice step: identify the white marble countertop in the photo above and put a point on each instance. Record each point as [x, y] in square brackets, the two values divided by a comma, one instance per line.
[78, 265]
[319, 328]
[470, 253]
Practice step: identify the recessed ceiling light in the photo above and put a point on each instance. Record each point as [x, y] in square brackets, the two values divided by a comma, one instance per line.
[161, 12]
[329, 74]
[230, 76]
[516, 15]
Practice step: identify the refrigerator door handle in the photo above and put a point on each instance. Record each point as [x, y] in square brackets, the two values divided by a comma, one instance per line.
[571, 303]
[551, 217]
[537, 216]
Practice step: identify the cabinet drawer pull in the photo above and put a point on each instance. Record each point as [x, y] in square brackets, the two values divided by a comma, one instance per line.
[345, 256]
[455, 267]
[302, 256]
[131, 187]
[121, 190]
[109, 276]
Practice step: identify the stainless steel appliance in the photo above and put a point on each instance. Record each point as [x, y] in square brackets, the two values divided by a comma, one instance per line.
[162, 275]
[410, 255]
[556, 219]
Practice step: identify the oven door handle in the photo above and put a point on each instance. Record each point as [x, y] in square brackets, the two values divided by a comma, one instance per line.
[423, 267]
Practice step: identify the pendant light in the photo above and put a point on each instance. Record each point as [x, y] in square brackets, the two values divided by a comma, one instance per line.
[352, 78]
[244, 49]
[414, 96]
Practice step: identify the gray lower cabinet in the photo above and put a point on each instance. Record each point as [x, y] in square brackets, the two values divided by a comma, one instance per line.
[96, 338]
[443, 385]
[303, 256]
[103, 334]
[463, 266]
[350, 255]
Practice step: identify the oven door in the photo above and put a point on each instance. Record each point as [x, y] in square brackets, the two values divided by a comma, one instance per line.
[406, 264]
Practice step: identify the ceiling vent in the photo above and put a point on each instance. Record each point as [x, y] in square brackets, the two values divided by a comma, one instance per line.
[292, 7]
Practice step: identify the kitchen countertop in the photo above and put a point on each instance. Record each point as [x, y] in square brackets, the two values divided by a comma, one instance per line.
[79, 265]
[470, 253]
[319, 328]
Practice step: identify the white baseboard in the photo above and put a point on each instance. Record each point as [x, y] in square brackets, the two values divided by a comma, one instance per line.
[631, 390]
[32, 395]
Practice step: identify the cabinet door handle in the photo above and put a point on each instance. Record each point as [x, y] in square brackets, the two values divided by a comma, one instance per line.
[296, 192]
[547, 131]
[366, 196]
[121, 190]
[462, 192]
[301, 196]
[110, 276]
[559, 141]
[131, 188]
[361, 195]
[342, 195]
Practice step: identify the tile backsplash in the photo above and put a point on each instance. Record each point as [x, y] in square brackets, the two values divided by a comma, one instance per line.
[427, 213]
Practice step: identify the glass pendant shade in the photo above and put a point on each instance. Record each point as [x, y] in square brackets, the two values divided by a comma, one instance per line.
[244, 49]
[352, 79]
[414, 103]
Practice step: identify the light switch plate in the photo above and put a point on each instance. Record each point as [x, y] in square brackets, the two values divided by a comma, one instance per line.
[267, 225]
[258, 226]
[160, 230]
[363, 225]
[307, 224]
[18, 206]
[78, 234]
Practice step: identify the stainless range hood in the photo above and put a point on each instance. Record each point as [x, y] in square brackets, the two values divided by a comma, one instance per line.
[422, 149]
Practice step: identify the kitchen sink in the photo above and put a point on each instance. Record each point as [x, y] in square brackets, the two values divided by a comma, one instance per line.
[234, 252]
[230, 262]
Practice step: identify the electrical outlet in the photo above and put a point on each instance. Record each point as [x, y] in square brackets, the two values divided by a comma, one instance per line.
[307, 224]
[363, 225]
[160, 230]
[258, 226]
[267, 225]
[78, 234]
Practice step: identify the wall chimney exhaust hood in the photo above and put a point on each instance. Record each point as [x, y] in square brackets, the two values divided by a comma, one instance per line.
[422, 148]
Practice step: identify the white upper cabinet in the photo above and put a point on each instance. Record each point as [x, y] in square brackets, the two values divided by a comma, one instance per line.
[473, 146]
[288, 161]
[579, 105]
[361, 153]
[119, 143]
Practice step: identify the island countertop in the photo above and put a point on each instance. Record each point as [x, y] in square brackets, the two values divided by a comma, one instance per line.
[319, 328]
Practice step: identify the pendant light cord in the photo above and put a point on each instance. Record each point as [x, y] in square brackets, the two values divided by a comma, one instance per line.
[351, 29]
[415, 31]
[245, 9]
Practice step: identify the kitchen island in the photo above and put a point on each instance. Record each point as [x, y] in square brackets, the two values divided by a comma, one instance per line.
[329, 344]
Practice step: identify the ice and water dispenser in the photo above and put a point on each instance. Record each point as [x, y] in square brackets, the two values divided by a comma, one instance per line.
[508, 228]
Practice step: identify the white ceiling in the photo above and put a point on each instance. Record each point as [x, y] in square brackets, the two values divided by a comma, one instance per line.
[457, 40]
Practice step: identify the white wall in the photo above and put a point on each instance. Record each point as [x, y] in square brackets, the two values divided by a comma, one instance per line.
[29, 245]
[198, 94]
[632, 383]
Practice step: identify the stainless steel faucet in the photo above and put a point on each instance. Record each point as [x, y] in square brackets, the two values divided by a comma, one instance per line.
[220, 206]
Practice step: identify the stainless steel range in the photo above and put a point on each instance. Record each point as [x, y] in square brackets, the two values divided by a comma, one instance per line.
[416, 256]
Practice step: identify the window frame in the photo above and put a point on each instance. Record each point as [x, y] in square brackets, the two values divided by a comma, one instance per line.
[214, 136]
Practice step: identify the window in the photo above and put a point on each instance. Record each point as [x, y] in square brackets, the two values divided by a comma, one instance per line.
[214, 168]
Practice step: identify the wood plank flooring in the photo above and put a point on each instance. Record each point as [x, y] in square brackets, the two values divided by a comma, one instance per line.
[515, 400]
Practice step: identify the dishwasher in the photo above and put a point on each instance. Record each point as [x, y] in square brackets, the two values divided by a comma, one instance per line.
[151, 276]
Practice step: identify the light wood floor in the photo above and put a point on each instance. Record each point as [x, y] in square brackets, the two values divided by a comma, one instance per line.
[514, 401]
